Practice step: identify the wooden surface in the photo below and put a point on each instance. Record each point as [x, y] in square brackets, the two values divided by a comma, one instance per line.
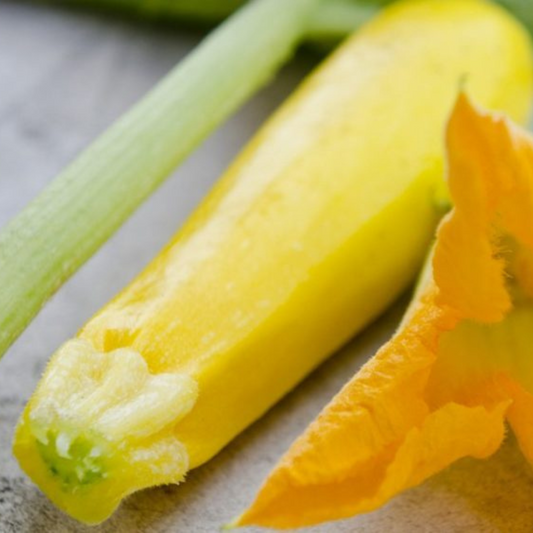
[64, 77]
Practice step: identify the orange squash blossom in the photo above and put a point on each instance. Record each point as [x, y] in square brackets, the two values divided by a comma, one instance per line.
[459, 367]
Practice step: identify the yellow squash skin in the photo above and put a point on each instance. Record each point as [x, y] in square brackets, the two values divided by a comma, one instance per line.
[318, 225]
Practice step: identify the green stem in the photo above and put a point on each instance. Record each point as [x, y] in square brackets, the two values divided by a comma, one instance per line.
[521, 9]
[49, 240]
[331, 24]
[204, 12]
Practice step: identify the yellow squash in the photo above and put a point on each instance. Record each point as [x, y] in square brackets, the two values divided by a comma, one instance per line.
[318, 225]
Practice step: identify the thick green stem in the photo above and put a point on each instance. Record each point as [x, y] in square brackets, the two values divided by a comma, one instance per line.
[334, 20]
[331, 23]
[196, 11]
[522, 9]
[48, 241]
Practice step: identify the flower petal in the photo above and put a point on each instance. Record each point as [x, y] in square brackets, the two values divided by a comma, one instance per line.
[376, 438]
[461, 363]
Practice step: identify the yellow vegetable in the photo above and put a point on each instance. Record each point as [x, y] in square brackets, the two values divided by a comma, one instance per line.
[318, 225]
[461, 364]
